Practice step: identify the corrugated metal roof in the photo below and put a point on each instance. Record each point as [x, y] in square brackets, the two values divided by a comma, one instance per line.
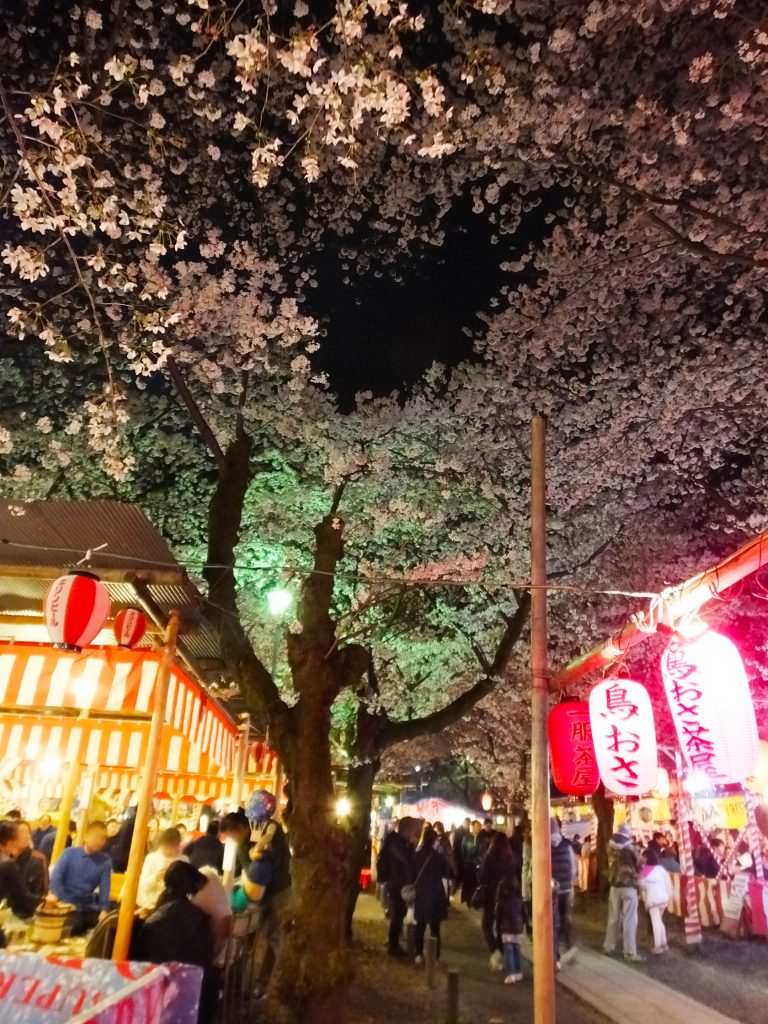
[60, 532]
[50, 537]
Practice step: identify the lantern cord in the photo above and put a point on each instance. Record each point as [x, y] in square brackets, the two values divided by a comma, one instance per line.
[648, 621]
[86, 559]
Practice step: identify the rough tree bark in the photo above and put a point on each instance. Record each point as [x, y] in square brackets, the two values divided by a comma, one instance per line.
[604, 812]
[315, 967]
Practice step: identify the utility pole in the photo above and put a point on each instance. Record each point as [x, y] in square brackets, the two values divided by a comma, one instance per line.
[541, 853]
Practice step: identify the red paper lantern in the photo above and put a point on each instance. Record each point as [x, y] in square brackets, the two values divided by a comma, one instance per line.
[263, 759]
[76, 608]
[624, 736]
[711, 706]
[129, 626]
[572, 752]
[486, 801]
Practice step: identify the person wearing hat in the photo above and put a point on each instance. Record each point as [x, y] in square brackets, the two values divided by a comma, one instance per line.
[623, 872]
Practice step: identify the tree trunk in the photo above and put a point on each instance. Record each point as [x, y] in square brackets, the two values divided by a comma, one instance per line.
[314, 968]
[360, 780]
[604, 811]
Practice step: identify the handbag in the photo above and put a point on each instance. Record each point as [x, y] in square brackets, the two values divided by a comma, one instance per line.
[478, 897]
[408, 892]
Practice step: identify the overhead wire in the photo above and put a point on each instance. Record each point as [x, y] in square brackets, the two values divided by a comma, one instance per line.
[276, 569]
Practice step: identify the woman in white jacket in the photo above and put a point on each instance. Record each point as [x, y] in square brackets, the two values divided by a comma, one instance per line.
[656, 888]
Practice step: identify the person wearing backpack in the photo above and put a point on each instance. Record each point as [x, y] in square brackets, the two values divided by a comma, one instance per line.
[623, 871]
[393, 871]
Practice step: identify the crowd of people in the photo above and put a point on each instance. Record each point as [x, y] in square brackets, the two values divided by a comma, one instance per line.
[183, 909]
[421, 868]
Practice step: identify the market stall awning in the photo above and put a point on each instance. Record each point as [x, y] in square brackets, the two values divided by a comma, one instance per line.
[95, 706]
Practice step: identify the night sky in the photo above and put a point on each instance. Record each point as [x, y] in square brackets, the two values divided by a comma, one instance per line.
[382, 335]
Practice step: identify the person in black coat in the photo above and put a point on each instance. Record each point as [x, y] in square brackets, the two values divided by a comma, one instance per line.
[31, 863]
[12, 888]
[393, 871]
[429, 873]
[458, 838]
[119, 846]
[180, 932]
[208, 850]
[499, 864]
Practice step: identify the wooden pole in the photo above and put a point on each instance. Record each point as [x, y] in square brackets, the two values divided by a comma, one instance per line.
[236, 799]
[541, 851]
[71, 782]
[238, 780]
[86, 795]
[452, 1007]
[175, 805]
[685, 598]
[431, 961]
[145, 793]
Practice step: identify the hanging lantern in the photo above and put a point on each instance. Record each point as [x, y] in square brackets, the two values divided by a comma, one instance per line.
[263, 759]
[661, 789]
[711, 706]
[486, 801]
[572, 752]
[129, 626]
[76, 608]
[624, 736]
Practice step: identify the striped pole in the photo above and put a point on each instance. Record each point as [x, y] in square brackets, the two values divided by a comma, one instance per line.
[753, 832]
[684, 814]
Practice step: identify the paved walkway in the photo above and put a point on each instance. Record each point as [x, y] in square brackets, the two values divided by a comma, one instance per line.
[626, 996]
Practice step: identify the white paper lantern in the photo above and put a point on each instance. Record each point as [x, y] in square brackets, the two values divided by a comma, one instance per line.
[624, 735]
[711, 707]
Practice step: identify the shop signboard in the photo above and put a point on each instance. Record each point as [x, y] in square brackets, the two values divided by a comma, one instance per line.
[35, 989]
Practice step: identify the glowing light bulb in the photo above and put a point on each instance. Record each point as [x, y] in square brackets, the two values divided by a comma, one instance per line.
[50, 766]
[279, 601]
[343, 807]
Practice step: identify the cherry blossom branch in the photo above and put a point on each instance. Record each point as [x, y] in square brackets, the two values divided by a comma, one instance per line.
[44, 192]
[402, 732]
[704, 250]
[110, 49]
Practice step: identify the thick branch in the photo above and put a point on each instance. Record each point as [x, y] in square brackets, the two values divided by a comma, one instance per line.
[401, 732]
[196, 415]
[224, 518]
[317, 592]
[704, 250]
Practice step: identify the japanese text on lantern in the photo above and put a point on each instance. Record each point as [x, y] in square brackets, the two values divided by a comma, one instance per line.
[583, 749]
[685, 699]
[620, 740]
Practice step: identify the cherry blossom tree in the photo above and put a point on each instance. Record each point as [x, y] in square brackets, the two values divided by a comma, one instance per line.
[175, 174]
